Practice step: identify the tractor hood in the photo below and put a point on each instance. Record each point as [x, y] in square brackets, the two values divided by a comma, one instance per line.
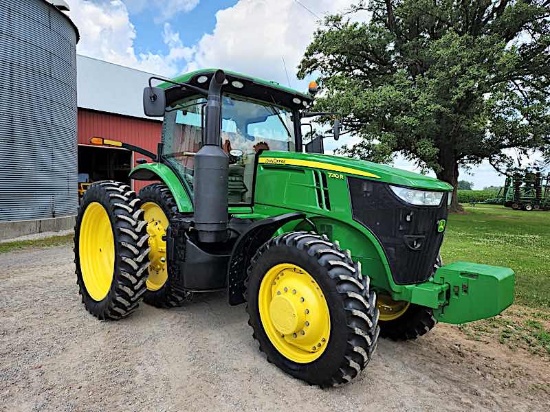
[349, 166]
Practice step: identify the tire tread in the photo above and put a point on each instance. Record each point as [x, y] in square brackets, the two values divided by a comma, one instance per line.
[130, 267]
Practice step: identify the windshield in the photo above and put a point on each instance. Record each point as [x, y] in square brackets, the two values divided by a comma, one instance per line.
[247, 126]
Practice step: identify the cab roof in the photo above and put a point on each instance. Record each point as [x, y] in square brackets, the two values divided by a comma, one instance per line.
[241, 85]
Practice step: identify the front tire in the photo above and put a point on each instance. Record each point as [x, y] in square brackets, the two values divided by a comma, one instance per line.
[160, 208]
[410, 322]
[110, 246]
[400, 320]
[311, 310]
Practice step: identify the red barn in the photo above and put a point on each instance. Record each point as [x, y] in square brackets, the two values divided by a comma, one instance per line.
[110, 106]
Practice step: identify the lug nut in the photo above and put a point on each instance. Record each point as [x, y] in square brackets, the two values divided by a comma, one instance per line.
[294, 291]
[323, 340]
[307, 323]
[303, 332]
[286, 289]
[307, 311]
[319, 345]
[302, 300]
[278, 292]
[294, 335]
[313, 348]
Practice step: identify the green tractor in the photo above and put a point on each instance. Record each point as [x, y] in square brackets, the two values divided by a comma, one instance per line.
[327, 252]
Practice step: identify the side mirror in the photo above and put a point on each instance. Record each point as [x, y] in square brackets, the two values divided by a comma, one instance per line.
[316, 145]
[336, 129]
[154, 101]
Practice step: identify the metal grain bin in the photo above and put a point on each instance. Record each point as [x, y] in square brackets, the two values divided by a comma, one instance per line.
[38, 111]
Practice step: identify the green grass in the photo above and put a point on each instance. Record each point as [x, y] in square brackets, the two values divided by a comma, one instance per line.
[515, 329]
[47, 242]
[500, 236]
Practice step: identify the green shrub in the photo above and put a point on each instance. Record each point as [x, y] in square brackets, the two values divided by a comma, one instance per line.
[467, 196]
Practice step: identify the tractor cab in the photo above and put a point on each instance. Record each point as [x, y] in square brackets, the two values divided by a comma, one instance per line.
[248, 125]
[256, 115]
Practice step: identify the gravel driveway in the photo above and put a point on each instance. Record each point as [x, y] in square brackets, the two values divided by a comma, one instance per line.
[55, 356]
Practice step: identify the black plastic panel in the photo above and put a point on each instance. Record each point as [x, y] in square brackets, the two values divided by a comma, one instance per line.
[192, 267]
[407, 233]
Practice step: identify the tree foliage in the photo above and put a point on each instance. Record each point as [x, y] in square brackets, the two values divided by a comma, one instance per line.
[446, 83]
[465, 185]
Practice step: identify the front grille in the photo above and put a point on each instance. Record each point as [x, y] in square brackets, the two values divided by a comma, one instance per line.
[407, 233]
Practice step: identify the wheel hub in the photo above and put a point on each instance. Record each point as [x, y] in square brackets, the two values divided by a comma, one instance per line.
[294, 313]
[391, 309]
[286, 314]
[157, 223]
[157, 255]
[96, 251]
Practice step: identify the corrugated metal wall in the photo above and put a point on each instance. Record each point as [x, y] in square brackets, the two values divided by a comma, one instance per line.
[139, 132]
[38, 112]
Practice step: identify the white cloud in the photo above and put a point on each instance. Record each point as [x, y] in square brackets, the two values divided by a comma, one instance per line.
[170, 8]
[254, 36]
[107, 33]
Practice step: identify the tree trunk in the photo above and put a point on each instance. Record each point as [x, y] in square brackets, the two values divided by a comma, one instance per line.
[449, 174]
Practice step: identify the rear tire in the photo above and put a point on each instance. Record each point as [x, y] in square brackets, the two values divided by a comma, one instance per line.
[110, 247]
[160, 208]
[334, 342]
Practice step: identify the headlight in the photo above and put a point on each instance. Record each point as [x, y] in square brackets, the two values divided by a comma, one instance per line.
[418, 197]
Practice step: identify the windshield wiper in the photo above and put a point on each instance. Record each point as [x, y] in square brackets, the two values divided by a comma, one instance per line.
[278, 113]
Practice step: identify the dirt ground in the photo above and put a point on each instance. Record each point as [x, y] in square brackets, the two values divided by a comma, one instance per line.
[55, 356]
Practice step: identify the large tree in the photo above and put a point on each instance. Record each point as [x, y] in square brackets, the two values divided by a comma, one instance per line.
[446, 83]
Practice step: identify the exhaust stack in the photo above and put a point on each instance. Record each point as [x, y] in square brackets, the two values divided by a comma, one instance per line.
[211, 171]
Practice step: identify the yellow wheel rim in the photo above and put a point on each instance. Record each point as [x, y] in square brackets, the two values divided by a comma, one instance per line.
[96, 251]
[294, 313]
[391, 309]
[157, 224]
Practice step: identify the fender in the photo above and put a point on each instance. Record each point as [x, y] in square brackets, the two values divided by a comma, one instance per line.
[246, 245]
[153, 171]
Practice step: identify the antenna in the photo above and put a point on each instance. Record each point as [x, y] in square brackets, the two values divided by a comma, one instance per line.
[286, 72]
[307, 9]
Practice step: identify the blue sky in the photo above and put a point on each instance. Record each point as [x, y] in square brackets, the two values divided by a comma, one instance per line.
[169, 37]
[191, 25]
